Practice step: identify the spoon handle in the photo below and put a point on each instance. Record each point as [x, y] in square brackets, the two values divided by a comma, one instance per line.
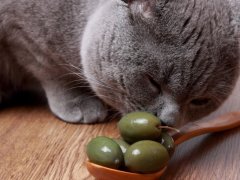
[225, 122]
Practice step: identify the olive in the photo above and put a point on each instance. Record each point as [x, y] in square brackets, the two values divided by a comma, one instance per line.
[105, 151]
[146, 157]
[167, 141]
[138, 126]
[123, 145]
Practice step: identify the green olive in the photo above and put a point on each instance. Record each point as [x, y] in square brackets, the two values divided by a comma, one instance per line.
[138, 126]
[167, 141]
[146, 157]
[123, 145]
[105, 151]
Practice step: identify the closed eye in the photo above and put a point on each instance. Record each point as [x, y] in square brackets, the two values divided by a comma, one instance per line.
[200, 102]
[154, 85]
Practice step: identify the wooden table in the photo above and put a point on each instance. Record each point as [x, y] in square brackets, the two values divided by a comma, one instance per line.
[35, 145]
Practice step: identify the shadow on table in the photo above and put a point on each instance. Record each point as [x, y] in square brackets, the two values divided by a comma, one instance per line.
[23, 98]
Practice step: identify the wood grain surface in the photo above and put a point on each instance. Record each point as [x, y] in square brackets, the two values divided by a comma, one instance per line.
[35, 145]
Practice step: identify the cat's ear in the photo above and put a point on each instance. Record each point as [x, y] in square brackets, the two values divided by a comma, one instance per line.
[144, 8]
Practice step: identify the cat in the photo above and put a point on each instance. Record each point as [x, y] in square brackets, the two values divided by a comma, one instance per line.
[178, 59]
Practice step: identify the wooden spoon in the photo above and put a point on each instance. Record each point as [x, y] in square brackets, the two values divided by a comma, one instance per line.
[197, 128]
[190, 130]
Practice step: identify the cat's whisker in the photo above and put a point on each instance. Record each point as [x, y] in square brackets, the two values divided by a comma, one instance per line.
[74, 67]
[75, 83]
[71, 74]
[70, 66]
[98, 96]
[98, 83]
[110, 98]
[78, 86]
[93, 79]
[107, 87]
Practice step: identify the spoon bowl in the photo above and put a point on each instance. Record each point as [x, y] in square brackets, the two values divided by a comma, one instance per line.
[104, 173]
[190, 130]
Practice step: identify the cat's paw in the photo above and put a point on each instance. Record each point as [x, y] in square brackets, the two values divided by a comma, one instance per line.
[80, 110]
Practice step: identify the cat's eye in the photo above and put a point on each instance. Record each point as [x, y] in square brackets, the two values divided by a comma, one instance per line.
[200, 102]
[154, 85]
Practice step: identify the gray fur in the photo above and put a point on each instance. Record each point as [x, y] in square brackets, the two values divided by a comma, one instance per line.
[155, 55]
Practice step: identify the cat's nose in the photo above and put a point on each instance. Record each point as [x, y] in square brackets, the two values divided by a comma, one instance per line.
[169, 116]
[169, 120]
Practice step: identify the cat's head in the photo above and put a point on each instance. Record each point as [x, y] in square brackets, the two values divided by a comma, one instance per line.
[177, 59]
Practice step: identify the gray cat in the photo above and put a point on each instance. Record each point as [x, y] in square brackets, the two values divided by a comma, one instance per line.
[178, 59]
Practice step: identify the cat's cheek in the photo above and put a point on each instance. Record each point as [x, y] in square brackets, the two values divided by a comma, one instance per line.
[88, 43]
[195, 113]
[86, 53]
